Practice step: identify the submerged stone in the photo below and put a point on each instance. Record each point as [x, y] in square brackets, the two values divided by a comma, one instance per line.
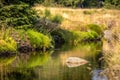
[75, 61]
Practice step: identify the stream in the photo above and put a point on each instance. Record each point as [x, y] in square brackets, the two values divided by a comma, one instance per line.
[51, 65]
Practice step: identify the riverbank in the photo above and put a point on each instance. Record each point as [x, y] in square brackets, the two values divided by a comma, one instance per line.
[39, 31]
[56, 26]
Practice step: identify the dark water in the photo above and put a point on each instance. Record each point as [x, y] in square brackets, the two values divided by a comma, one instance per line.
[51, 65]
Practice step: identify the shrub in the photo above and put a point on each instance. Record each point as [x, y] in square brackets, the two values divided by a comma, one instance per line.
[38, 40]
[87, 12]
[54, 18]
[48, 2]
[57, 18]
[79, 36]
[18, 15]
[88, 36]
[30, 2]
[47, 13]
[98, 29]
[75, 37]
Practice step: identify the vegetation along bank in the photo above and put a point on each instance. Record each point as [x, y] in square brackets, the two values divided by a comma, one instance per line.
[23, 29]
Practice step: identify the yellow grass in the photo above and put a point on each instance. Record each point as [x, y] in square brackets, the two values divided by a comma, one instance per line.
[77, 19]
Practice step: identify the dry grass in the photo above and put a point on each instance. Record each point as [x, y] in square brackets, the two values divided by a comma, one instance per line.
[112, 55]
[78, 18]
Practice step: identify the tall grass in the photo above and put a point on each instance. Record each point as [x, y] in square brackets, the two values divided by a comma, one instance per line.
[7, 43]
[75, 37]
[75, 19]
[112, 55]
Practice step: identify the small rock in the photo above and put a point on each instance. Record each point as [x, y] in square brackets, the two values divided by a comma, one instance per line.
[75, 61]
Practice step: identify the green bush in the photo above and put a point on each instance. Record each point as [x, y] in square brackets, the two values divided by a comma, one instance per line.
[47, 13]
[30, 2]
[87, 12]
[88, 36]
[98, 29]
[57, 19]
[48, 2]
[38, 40]
[54, 18]
[75, 37]
[69, 3]
[18, 15]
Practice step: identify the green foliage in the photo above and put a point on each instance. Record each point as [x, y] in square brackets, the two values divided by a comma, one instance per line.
[112, 4]
[48, 2]
[47, 13]
[90, 3]
[89, 36]
[75, 37]
[38, 40]
[67, 3]
[57, 18]
[18, 16]
[72, 3]
[81, 3]
[7, 43]
[1, 3]
[54, 18]
[30, 2]
[98, 29]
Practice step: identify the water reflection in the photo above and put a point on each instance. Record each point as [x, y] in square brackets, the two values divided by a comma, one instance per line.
[51, 65]
[32, 60]
[98, 75]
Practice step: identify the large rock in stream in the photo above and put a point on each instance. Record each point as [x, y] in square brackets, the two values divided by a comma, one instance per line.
[75, 61]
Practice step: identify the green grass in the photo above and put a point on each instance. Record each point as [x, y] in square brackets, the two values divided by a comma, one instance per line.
[57, 18]
[75, 37]
[94, 27]
[38, 40]
[7, 43]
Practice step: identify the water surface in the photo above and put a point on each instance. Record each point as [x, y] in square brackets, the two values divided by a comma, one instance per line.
[51, 65]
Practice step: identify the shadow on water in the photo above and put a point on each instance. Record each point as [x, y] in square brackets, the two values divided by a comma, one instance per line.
[52, 65]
